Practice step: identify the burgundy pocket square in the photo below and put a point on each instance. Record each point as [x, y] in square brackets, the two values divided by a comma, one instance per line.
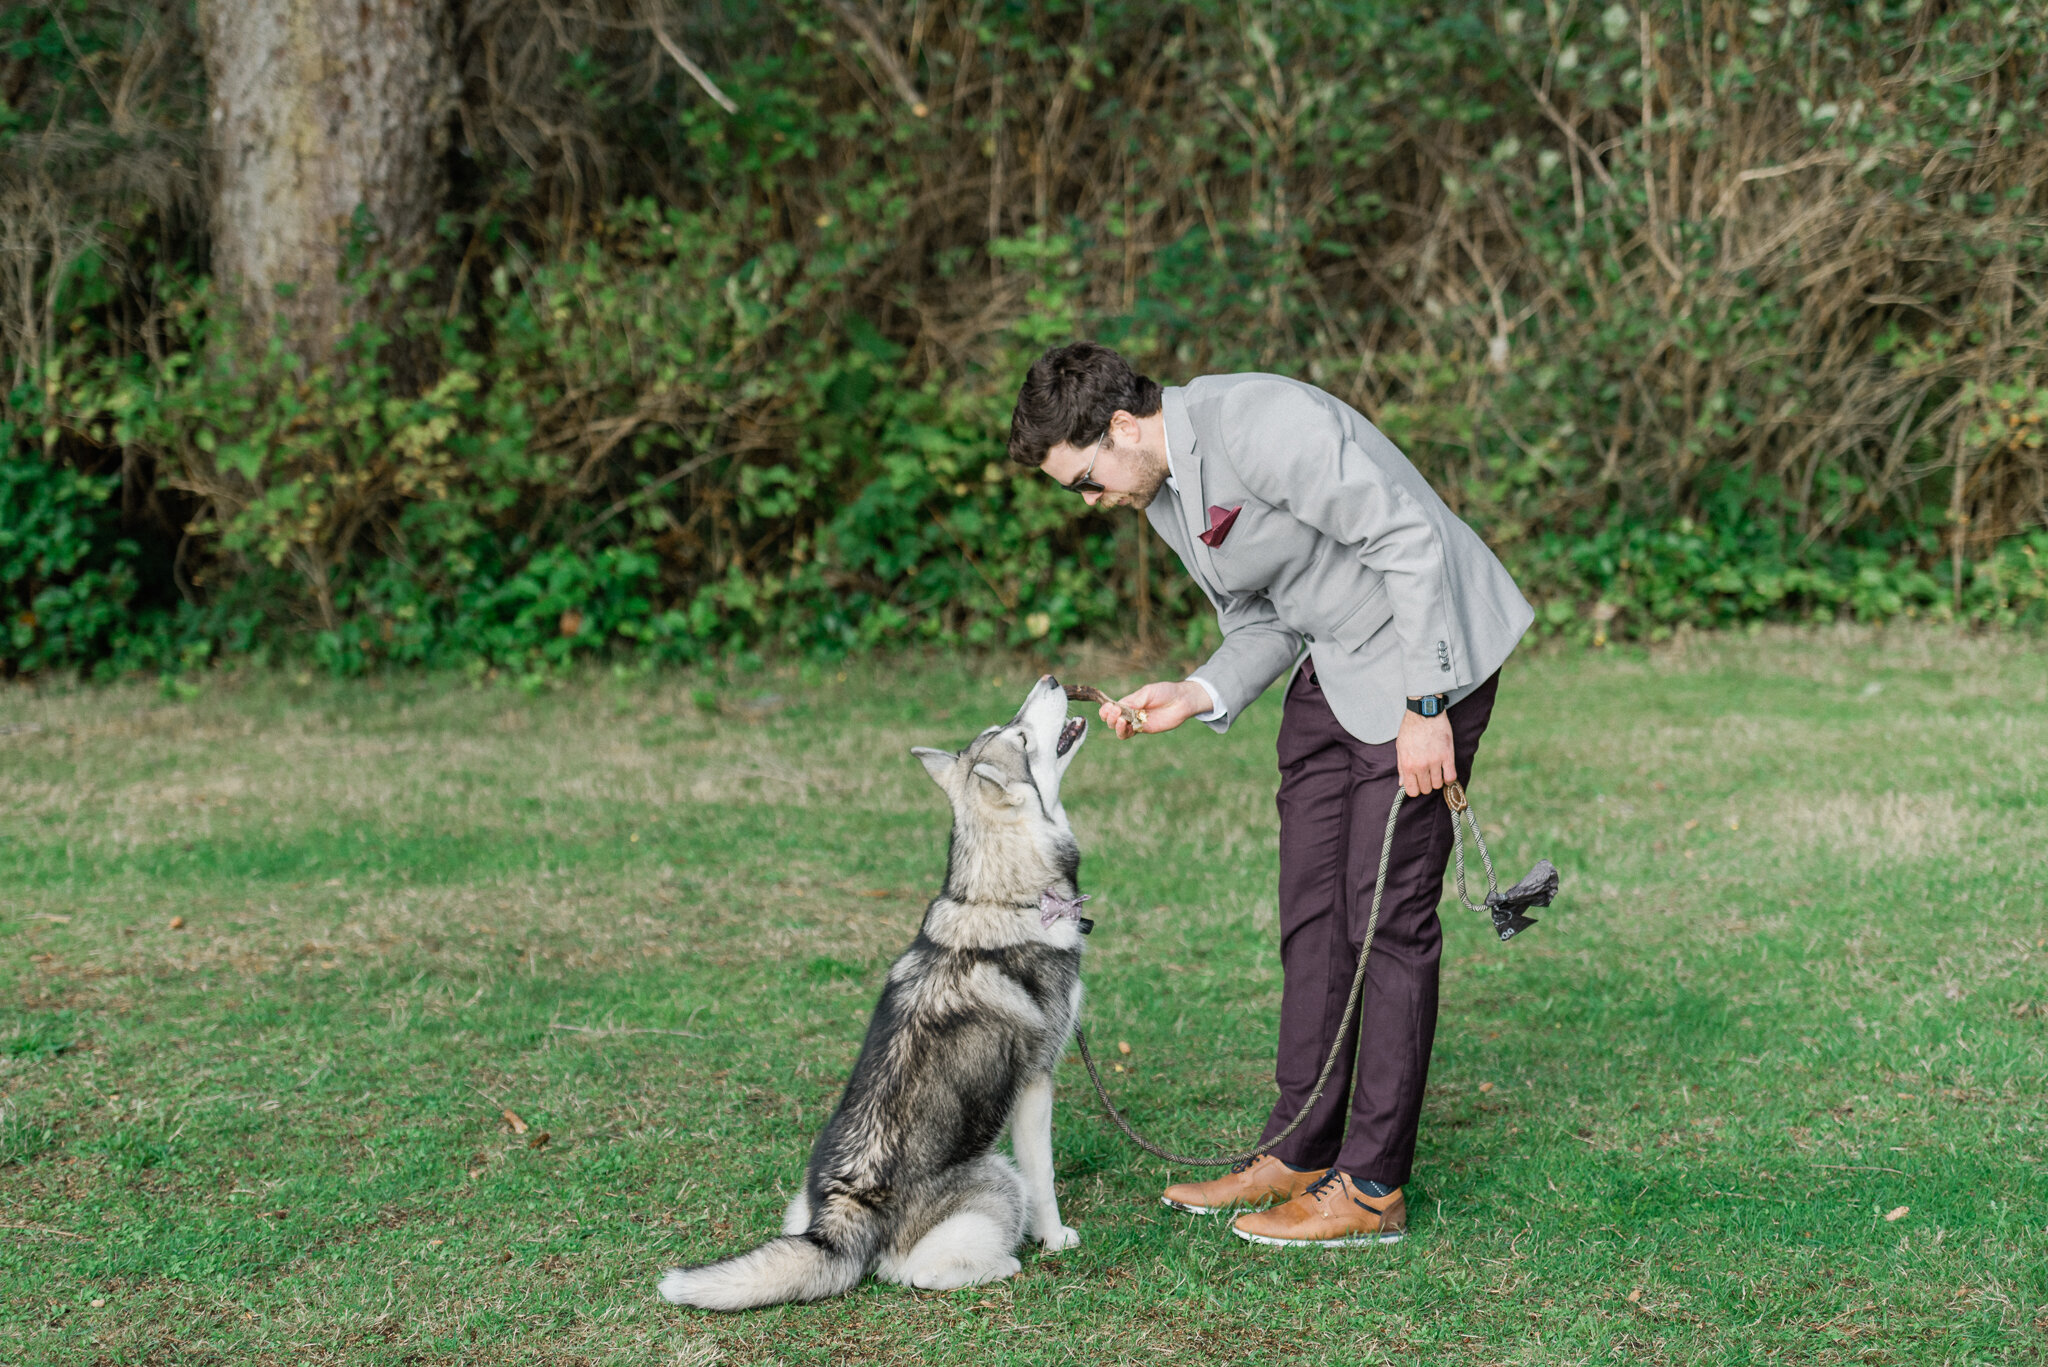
[1220, 521]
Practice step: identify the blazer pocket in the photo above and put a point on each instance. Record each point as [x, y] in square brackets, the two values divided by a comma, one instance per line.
[1254, 553]
[1364, 621]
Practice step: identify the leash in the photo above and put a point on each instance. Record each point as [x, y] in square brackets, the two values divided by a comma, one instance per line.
[1506, 909]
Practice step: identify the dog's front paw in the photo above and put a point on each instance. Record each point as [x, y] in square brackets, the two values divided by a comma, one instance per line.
[1060, 1238]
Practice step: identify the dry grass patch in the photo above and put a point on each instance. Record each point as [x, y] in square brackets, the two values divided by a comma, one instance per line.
[1873, 828]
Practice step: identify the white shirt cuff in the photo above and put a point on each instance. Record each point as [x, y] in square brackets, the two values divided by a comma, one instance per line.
[1217, 711]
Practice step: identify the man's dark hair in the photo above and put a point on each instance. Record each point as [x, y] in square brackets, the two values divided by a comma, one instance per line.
[1070, 394]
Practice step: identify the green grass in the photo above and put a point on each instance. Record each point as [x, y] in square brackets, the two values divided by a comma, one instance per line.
[1798, 979]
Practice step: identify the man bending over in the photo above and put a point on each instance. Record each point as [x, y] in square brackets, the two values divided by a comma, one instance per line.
[1330, 559]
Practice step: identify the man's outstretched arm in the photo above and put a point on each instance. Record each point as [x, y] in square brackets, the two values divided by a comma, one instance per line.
[1256, 650]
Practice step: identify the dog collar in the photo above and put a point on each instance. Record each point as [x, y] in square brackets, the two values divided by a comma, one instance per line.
[1052, 907]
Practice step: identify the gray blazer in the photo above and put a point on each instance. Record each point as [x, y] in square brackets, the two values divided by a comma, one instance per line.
[1339, 543]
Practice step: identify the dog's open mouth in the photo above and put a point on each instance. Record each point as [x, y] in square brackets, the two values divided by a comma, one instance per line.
[1069, 734]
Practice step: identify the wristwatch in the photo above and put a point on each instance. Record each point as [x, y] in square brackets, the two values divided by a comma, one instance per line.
[1430, 705]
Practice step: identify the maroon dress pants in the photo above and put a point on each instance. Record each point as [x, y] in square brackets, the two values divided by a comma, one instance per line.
[1334, 794]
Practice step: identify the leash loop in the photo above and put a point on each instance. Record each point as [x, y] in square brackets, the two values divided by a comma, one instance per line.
[1461, 816]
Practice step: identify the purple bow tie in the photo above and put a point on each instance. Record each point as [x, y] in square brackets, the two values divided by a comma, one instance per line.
[1052, 908]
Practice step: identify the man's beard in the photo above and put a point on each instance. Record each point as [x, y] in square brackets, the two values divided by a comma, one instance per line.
[1141, 497]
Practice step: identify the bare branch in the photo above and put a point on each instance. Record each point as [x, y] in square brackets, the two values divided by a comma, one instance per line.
[697, 73]
[884, 56]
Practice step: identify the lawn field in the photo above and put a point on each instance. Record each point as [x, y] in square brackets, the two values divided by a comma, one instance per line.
[280, 963]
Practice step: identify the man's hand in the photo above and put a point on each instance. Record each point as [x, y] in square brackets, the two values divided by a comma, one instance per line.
[1424, 754]
[1165, 705]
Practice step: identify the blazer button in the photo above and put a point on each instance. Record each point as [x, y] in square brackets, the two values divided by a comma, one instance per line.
[1306, 637]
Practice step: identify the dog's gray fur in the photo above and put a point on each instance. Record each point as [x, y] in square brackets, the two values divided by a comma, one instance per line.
[905, 1181]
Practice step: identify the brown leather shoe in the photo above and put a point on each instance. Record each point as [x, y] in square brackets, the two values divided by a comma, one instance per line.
[1333, 1213]
[1257, 1184]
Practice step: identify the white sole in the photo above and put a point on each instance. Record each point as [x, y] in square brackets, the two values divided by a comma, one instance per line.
[1351, 1241]
[1204, 1210]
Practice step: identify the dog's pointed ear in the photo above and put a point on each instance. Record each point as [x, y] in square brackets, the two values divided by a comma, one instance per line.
[996, 779]
[937, 763]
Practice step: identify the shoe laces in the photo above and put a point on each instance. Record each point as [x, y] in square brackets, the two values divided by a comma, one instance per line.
[1318, 1188]
[1246, 1164]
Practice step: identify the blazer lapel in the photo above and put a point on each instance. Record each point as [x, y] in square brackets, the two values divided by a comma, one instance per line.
[1186, 452]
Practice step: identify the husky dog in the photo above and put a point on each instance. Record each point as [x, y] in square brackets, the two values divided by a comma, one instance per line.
[905, 1180]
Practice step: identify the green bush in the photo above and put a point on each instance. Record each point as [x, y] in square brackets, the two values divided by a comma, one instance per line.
[1702, 316]
[66, 577]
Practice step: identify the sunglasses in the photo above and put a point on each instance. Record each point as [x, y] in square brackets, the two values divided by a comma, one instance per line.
[1085, 483]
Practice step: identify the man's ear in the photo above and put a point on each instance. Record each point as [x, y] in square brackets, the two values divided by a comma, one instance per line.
[995, 779]
[937, 763]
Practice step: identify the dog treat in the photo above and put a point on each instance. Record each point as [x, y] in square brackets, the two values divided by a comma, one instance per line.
[1089, 693]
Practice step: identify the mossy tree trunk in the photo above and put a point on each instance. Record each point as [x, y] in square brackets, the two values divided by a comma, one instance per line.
[318, 109]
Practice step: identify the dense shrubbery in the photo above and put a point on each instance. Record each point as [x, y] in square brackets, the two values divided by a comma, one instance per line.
[1701, 312]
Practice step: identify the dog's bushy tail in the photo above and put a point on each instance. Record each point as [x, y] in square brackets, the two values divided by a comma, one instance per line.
[795, 1267]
